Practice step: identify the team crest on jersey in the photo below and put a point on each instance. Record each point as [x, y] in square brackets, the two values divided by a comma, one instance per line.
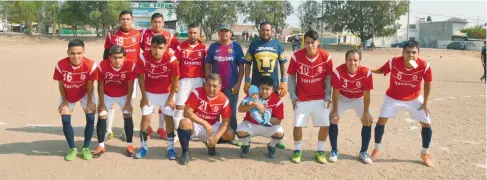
[122, 76]
[164, 68]
[83, 77]
[215, 109]
[320, 69]
[358, 84]
[199, 53]
[415, 77]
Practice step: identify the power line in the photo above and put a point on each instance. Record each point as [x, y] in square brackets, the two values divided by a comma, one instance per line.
[472, 19]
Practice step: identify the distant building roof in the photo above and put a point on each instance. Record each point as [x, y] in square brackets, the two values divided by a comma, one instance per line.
[454, 19]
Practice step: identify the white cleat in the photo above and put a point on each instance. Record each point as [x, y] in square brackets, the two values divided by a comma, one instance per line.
[365, 158]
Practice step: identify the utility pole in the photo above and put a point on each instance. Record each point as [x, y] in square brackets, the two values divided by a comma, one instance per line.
[407, 26]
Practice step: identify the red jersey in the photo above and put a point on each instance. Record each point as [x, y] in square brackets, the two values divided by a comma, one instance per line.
[191, 59]
[75, 78]
[158, 74]
[147, 35]
[207, 108]
[405, 84]
[128, 40]
[352, 85]
[115, 81]
[310, 74]
[274, 104]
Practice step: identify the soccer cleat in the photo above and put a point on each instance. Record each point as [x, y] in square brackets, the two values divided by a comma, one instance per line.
[375, 155]
[108, 135]
[141, 153]
[297, 155]
[333, 156]
[130, 151]
[271, 152]
[365, 158]
[320, 157]
[71, 154]
[245, 151]
[185, 158]
[162, 133]
[171, 154]
[86, 154]
[99, 151]
[211, 151]
[427, 160]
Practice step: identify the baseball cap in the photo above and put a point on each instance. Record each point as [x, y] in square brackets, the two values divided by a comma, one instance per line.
[225, 26]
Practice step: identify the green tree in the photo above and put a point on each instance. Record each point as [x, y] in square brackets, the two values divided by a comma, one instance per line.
[23, 12]
[75, 14]
[309, 14]
[476, 32]
[364, 18]
[208, 14]
[274, 12]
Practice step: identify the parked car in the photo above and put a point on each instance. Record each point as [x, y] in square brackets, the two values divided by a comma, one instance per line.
[459, 45]
[400, 44]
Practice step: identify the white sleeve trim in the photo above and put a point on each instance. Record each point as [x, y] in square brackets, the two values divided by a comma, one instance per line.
[337, 74]
[93, 68]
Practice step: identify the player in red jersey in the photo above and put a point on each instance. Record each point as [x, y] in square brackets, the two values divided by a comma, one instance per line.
[310, 72]
[157, 23]
[191, 55]
[115, 81]
[129, 38]
[404, 92]
[203, 109]
[352, 84]
[250, 128]
[76, 75]
[158, 74]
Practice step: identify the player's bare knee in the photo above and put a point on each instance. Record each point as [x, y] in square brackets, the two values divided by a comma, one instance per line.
[382, 121]
[425, 125]
[65, 112]
[334, 121]
[229, 134]
[278, 135]
[185, 124]
[242, 134]
[88, 111]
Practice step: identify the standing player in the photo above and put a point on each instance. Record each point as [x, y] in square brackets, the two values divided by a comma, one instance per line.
[129, 39]
[115, 83]
[158, 74]
[225, 58]
[404, 92]
[250, 128]
[482, 58]
[157, 23]
[76, 75]
[191, 55]
[266, 55]
[310, 90]
[203, 109]
[351, 90]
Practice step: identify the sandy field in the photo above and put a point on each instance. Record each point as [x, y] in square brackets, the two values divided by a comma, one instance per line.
[32, 145]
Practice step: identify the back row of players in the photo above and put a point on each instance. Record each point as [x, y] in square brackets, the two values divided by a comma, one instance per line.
[196, 90]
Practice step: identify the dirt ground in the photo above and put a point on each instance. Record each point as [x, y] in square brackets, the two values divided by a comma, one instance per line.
[32, 144]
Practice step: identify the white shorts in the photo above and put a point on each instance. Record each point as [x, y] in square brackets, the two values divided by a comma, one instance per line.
[83, 101]
[186, 86]
[157, 100]
[199, 131]
[111, 101]
[391, 107]
[345, 103]
[259, 130]
[315, 109]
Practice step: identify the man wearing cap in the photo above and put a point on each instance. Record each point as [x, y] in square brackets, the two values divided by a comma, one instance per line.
[225, 58]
